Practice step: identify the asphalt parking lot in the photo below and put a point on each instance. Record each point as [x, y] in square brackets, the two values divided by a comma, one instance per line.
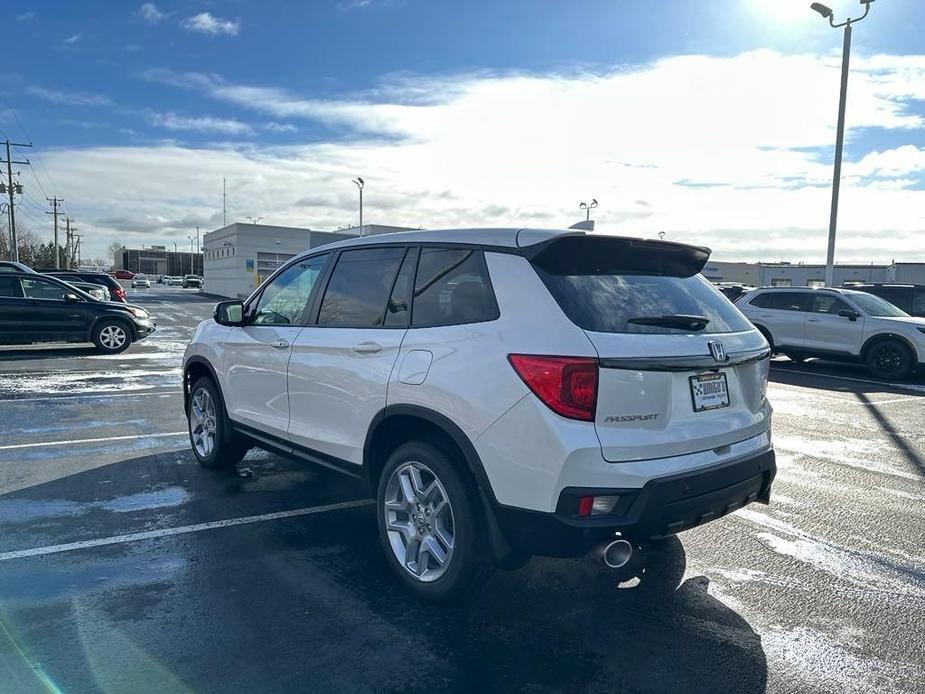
[126, 567]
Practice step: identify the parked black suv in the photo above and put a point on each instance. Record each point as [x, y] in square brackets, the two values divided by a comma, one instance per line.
[39, 308]
[116, 290]
[909, 297]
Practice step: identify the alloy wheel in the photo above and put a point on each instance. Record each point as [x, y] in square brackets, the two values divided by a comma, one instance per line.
[112, 336]
[202, 424]
[419, 521]
[887, 359]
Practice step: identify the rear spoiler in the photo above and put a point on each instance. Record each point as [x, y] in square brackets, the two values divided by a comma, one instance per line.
[582, 254]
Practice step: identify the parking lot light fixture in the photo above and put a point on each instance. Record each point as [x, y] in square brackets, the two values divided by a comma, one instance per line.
[827, 13]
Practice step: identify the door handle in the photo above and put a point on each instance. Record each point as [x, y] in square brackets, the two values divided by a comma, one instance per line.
[279, 344]
[813, 320]
[368, 348]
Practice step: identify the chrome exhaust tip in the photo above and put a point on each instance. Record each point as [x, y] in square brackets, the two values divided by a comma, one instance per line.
[617, 554]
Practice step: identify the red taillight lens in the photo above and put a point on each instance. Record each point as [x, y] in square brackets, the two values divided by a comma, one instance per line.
[566, 385]
[120, 293]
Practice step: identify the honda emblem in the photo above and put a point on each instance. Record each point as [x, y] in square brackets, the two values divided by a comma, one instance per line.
[717, 350]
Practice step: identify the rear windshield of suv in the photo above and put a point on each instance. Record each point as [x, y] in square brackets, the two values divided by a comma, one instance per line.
[605, 294]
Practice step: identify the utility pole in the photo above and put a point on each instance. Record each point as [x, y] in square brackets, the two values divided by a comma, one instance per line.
[54, 212]
[10, 188]
[224, 201]
[360, 184]
[197, 238]
[78, 250]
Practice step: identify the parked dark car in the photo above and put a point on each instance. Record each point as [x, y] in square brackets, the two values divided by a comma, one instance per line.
[116, 290]
[11, 266]
[190, 281]
[909, 297]
[97, 291]
[732, 290]
[40, 308]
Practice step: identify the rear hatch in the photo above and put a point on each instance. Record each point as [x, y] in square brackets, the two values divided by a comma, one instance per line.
[681, 369]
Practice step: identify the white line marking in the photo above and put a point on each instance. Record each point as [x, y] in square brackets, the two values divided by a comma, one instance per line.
[74, 442]
[93, 395]
[911, 387]
[181, 530]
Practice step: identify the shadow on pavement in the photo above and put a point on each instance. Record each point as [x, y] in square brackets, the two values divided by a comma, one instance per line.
[309, 603]
[838, 377]
[907, 450]
[51, 352]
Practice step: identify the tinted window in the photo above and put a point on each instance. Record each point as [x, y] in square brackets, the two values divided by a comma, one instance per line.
[826, 303]
[621, 303]
[360, 286]
[285, 298]
[898, 296]
[761, 301]
[398, 314]
[452, 288]
[42, 289]
[918, 303]
[9, 286]
[876, 306]
[789, 301]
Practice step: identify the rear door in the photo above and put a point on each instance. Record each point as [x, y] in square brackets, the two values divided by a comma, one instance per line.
[12, 307]
[48, 317]
[341, 364]
[826, 331]
[783, 314]
[681, 369]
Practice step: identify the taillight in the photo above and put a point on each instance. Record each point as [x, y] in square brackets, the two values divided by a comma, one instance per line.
[566, 385]
[120, 293]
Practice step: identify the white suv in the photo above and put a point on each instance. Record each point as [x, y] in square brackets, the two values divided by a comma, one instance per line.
[839, 324]
[504, 392]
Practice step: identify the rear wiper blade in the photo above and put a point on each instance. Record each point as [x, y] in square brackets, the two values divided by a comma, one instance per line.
[680, 321]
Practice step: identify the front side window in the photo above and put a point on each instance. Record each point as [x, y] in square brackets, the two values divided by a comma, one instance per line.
[285, 299]
[826, 303]
[360, 286]
[452, 288]
[918, 301]
[42, 289]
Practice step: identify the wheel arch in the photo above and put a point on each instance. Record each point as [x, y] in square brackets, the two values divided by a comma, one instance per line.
[880, 337]
[195, 368]
[765, 333]
[125, 320]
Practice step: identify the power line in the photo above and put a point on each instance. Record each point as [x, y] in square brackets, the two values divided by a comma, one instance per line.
[55, 212]
[38, 157]
[10, 189]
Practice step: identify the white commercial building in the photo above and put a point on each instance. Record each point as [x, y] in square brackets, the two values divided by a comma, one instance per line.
[239, 257]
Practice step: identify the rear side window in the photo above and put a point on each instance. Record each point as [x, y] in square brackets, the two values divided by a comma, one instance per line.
[359, 290]
[9, 287]
[761, 301]
[452, 288]
[789, 301]
[918, 302]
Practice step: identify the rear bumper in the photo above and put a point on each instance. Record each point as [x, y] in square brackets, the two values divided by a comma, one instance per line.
[664, 506]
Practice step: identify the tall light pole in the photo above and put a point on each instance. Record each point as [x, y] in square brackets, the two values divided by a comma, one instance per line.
[360, 183]
[190, 254]
[587, 208]
[827, 13]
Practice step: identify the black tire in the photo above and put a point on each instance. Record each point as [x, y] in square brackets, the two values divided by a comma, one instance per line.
[112, 336]
[465, 562]
[890, 359]
[227, 449]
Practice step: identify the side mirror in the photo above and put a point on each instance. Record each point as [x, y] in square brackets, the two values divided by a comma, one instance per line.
[71, 298]
[230, 313]
[849, 314]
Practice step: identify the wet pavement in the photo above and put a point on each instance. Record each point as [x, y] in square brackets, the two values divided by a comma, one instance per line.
[126, 567]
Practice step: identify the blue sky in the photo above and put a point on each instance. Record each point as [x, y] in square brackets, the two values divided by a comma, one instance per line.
[712, 121]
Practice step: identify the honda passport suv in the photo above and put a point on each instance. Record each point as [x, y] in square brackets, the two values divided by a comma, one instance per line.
[503, 392]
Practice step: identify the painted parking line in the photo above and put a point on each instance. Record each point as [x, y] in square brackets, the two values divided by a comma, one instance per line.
[104, 439]
[911, 387]
[92, 396]
[181, 530]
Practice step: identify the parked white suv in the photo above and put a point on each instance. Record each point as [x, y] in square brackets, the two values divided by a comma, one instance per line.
[839, 324]
[140, 280]
[504, 392]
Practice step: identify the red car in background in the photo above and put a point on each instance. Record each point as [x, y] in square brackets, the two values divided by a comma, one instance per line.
[122, 274]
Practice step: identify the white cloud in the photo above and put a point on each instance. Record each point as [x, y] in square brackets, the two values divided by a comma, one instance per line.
[67, 98]
[272, 127]
[73, 38]
[203, 124]
[149, 13]
[25, 16]
[206, 23]
[734, 153]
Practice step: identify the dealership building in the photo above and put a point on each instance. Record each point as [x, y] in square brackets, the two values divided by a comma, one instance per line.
[157, 260]
[783, 274]
[237, 258]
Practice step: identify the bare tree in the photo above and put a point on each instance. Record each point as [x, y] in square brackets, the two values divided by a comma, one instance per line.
[115, 252]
